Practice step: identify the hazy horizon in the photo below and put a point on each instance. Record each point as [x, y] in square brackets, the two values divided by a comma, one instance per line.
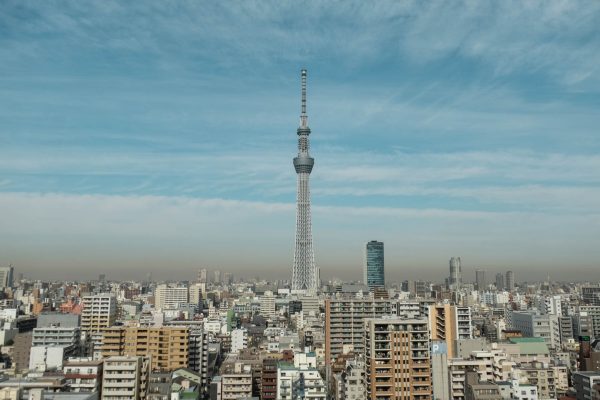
[158, 137]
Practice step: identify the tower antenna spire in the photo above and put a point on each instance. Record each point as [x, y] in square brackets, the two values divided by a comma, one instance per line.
[303, 116]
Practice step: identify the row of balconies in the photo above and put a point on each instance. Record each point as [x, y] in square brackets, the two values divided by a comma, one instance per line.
[118, 376]
[113, 364]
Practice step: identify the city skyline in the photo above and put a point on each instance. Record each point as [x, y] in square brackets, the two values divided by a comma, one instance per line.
[128, 148]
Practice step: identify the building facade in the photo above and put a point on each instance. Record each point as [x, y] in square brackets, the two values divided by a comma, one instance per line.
[450, 323]
[344, 323]
[480, 281]
[168, 297]
[499, 281]
[168, 347]
[83, 376]
[455, 279]
[98, 312]
[397, 364]
[125, 378]
[510, 281]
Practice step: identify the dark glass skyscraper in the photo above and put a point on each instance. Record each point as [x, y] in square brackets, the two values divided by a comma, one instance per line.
[374, 275]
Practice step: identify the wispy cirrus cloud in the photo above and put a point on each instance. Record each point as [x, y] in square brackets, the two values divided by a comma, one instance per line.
[556, 38]
[491, 180]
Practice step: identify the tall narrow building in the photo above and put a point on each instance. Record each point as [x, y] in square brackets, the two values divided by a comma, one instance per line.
[374, 275]
[480, 280]
[305, 275]
[510, 281]
[397, 359]
[455, 280]
[499, 281]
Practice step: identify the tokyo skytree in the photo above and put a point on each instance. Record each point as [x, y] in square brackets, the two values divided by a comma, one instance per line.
[305, 275]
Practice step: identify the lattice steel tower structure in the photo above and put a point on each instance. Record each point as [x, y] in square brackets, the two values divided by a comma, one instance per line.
[305, 275]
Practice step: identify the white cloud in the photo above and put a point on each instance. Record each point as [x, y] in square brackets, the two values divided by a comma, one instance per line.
[544, 181]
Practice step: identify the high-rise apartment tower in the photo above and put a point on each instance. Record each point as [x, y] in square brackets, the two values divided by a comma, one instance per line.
[480, 280]
[305, 275]
[455, 279]
[6, 277]
[373, 269]
[510, 281]
[397, 359]
[499, 281]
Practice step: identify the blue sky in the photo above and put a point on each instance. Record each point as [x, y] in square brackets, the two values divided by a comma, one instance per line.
[135, 136]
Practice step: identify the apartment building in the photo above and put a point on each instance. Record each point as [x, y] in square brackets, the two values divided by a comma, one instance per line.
[197, 292]
[55, 336]
[239, 340]
[584, 382]
[268, 387]
[344, 323]
[542, 376]
[481, 362]
[267, 305]
[301, 379]
[99, 312]
[50, 346]
[397, 364]
[353, 381]
[232, 386]
[168, 296]
[594, 315]
[533, 324]
[83, 375]
[198, 354]
[125, 377]
[168, 347]
[450, 323]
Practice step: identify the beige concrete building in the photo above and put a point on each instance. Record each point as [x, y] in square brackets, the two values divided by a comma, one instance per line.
[542, 376]
[448, 323]
[233, 385]
[98, 312]
[397, 359]
[125, 377]
[168, 347]
[197, 292]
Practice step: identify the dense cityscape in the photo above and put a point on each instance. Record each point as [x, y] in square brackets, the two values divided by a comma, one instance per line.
[220, 338]
[299, 200]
